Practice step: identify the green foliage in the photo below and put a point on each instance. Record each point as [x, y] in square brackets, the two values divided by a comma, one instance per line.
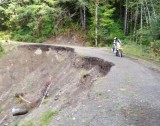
[1, 48]
[3, 18]
[5, 35]
[146, 34]
[155, 48]
[105, 15]
[155, 28]
[105, 21]
[33, 22]
[24, 38]
[115, 30]
[135, 50]
[105, 12]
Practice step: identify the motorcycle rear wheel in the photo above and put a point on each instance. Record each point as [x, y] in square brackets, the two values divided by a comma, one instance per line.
[120, 53]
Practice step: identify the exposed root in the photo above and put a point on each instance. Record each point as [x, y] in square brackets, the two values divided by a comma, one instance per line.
[20, 95]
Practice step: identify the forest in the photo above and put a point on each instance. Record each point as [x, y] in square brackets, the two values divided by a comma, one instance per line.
[135, 22]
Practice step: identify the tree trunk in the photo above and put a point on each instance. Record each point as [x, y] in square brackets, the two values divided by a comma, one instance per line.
[96, 24]
[154, 12]
[84, 18]
[135, 23]
[131, 28]
[128, 22]
[141, 25]
[146, 16]
[149, 16]
[120, 6]
[126, 15]
[81, 17]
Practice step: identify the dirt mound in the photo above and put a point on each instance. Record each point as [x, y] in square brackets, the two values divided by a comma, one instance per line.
[71, 39]
[28, 68]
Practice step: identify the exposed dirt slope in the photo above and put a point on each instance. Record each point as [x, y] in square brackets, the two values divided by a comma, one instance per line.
[71, 39]
[28, 68]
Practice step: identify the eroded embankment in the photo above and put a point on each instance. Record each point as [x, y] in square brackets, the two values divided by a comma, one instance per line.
[50, 76]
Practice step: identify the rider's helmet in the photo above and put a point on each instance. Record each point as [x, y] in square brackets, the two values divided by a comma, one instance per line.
[115, 38]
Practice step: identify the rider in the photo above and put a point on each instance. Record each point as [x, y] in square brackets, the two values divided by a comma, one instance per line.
[117, 42]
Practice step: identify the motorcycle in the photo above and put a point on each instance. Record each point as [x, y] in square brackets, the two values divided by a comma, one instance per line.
[118, 50]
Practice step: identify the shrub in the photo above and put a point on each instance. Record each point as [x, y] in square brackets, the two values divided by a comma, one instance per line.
[4, 35]
[1, 48]
[39, 40]
[155, 48]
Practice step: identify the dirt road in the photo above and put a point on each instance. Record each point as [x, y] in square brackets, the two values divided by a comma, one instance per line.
[127, 96]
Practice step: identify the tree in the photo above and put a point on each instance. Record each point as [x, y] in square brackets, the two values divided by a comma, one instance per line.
[32, 20]
[28, 21]
[126, 17]
[101, 13]
[82, 4]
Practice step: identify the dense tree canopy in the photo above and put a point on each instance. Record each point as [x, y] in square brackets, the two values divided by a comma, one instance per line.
[35, 20]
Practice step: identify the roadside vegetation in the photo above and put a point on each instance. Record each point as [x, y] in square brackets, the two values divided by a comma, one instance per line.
[43, 120]
[135, 22]
[150, 53]
[47, 116]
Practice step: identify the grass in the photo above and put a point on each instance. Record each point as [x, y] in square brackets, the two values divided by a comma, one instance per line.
[43, 120]
[1, 54]
[29, 123]
[47, 116]
[16, 123]
[1, 110]
[134, 50]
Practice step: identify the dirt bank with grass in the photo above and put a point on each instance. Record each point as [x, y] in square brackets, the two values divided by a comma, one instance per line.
[30, 69]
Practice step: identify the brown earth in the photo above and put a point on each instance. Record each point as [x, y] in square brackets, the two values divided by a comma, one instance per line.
[28, 68]
[71, 39]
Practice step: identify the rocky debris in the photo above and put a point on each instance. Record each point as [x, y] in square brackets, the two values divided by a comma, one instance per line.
[56, 97]
[38, 51]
